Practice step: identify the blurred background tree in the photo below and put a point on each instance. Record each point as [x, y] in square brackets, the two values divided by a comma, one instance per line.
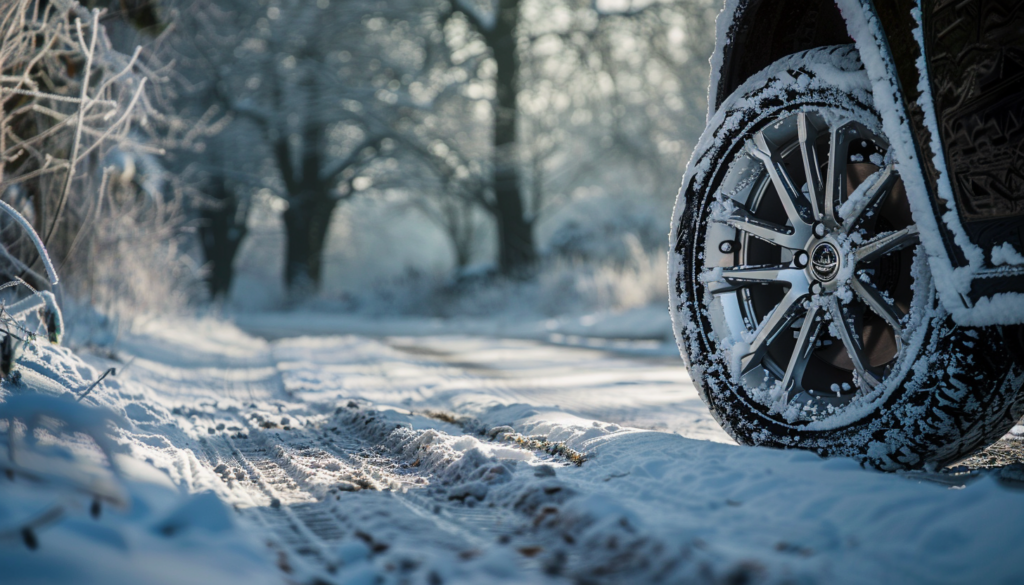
[302, 75]
[485, 117]
[493, 138]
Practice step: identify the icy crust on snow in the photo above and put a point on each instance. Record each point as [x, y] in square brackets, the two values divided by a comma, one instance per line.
[993, 309]
[650, 392]
[85, 485]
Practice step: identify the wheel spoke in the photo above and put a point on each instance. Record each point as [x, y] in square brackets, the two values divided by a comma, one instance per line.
[878, 185]
[887, 243]
[780, 318]
[792, 199]
[835, 186]
[780, 273]
[812, 169]
[851, 341]
[873, 298]
[743, 220]
[802, 352]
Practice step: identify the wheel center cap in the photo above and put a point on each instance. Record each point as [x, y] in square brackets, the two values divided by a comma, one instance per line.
[825, 261]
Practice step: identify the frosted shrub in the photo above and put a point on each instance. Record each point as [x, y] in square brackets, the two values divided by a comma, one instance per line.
[606, 229]
[143, 243]
[78, 122]
[576, 285]
[559, 286]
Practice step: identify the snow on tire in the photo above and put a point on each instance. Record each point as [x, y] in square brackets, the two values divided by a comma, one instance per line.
[802, 301]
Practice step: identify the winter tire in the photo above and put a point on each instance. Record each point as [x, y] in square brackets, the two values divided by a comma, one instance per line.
[802, 301]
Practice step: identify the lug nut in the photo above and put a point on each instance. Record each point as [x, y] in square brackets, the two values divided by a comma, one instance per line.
[727, 247]
[800, 259]
[816, 288]
[819, 230]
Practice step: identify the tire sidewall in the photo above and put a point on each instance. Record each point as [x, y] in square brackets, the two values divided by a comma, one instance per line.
[960, 391]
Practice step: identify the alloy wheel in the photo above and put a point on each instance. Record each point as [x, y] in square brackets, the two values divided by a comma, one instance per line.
[808, 258]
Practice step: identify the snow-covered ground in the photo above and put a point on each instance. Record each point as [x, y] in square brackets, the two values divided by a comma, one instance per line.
[452, 453]
[639, 330]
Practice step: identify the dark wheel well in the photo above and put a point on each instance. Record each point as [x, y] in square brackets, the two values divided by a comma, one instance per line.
[767, 30]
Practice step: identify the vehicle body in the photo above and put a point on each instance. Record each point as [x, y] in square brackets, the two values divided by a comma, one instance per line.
[973, 81]
[847, 262]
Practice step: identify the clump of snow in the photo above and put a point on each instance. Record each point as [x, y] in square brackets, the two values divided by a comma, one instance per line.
[1006, 254]
[89, 512]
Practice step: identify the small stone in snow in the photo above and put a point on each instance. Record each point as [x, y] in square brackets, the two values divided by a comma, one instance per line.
[285, 421]
[505, 429]
[220, 427]
[211, 430]
[275, 503]
[220, 468]
[352, 404]
[544, 471]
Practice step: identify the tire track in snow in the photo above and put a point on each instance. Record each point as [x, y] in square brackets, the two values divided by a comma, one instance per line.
[285, 489]
[625, 388]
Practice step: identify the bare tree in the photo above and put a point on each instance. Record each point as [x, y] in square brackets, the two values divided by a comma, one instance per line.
[223, 208]
[576, 99]
[499, 29]
[306, 76]
[508, 111]
[623, 86]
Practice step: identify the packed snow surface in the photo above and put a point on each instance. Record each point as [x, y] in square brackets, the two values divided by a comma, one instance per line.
[447, 458]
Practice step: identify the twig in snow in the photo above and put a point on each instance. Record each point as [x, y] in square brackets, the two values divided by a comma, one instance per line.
[110, 371]
[27, 531]
[534, 444]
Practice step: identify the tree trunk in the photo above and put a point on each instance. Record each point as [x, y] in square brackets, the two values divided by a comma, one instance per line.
[515, 232]
[221, 234]
[306, 221]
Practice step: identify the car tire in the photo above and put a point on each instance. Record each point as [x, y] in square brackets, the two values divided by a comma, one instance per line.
[802, 301]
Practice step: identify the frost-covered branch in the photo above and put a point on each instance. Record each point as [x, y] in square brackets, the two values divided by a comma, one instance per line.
[629, 12]
[90, 54]
[483, 22]
[36, 241]
[71, 106]
[330, 174]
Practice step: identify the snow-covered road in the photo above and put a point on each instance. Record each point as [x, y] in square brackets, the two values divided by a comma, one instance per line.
[463, 459]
